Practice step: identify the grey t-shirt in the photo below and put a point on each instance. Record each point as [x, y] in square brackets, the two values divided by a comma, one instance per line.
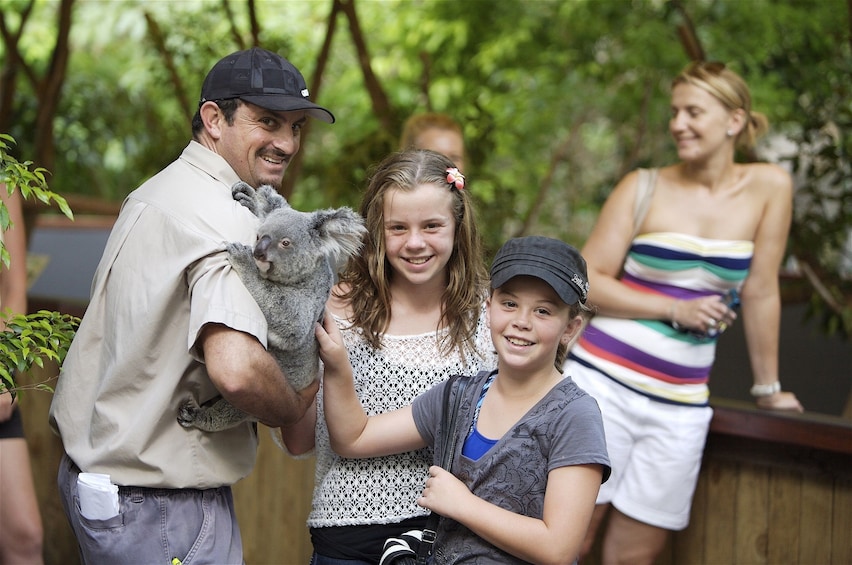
[564, 428]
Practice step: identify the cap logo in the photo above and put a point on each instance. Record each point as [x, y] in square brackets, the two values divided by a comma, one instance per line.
[305, 92]
[581, 284]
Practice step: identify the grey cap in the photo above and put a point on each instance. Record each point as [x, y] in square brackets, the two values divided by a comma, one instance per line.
[263, 78]
[553, 261]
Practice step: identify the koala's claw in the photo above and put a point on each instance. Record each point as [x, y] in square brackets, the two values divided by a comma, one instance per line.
[241, 258]
[236, 248]
[261, 201]
[188, 413]
[215, 415]
[245, 195]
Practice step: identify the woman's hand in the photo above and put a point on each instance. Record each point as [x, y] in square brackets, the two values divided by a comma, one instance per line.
[443, 492]
[780, 401]
[705, 315]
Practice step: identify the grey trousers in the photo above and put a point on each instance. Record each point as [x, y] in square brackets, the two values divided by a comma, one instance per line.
[155, 526]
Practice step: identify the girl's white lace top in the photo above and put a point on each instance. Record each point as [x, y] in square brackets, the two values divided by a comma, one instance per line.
[383, 490]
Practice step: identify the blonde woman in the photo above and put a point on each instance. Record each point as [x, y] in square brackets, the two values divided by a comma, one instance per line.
[665, 285]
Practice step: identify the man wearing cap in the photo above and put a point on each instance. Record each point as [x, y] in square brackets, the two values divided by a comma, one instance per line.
[169, 321]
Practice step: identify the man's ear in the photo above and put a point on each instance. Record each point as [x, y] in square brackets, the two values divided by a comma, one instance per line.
[212, 118]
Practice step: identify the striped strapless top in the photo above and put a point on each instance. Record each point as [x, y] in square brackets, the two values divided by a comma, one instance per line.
[650, 356]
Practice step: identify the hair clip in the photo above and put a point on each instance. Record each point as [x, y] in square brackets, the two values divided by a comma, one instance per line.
[455, 178]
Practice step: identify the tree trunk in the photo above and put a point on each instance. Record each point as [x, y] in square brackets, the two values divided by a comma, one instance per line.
[295, 168]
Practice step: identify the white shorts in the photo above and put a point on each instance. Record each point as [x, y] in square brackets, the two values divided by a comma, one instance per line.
[655, 450]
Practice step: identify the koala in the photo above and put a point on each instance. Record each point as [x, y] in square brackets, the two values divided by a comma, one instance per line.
[289, 272]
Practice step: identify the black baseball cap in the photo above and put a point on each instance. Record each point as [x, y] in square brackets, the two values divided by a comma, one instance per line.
[553, 261]
[263, 78]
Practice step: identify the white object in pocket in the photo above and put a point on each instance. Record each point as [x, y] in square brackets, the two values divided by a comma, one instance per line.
[98, 496]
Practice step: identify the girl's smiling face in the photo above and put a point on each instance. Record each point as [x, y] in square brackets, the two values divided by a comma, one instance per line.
[419, 233]
[528, 321]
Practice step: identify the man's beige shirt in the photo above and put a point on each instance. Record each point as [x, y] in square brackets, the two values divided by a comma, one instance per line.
[164, 274]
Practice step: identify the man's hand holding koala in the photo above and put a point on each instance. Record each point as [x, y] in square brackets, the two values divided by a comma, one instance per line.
[289, 272]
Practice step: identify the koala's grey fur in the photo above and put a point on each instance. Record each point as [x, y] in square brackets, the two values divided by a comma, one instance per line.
[290, 274]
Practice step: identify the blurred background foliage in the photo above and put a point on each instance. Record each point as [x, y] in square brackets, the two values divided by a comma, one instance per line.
[558, 98]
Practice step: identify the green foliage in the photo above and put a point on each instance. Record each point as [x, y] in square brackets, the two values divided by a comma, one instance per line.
[17, 175]
[558, 99]
[822, 227]
[31, 340]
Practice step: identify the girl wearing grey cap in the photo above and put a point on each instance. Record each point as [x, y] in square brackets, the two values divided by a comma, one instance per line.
[530, 452]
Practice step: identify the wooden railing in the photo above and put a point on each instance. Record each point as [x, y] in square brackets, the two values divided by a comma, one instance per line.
[775, 488]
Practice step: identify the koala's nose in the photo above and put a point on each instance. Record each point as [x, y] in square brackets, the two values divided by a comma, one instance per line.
[261, 247]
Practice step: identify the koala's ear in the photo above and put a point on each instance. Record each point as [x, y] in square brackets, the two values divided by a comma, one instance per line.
[341, 232]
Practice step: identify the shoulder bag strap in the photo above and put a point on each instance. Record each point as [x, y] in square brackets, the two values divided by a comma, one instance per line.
[449, 441]
[644, 191]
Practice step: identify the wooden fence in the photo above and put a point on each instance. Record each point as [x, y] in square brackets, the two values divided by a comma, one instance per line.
[774, 489]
